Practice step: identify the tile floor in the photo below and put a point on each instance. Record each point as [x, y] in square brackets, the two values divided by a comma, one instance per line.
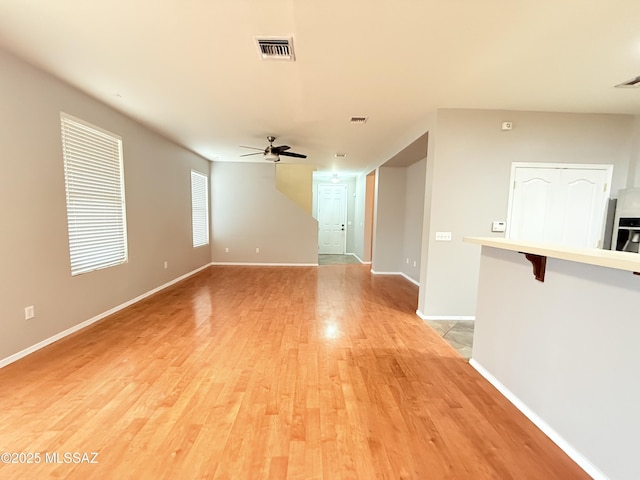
[459, 334]
[336, 259]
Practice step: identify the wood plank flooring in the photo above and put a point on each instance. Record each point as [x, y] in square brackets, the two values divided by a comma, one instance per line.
[268, 373]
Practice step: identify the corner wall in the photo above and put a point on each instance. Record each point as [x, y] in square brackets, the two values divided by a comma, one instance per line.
[34, 251]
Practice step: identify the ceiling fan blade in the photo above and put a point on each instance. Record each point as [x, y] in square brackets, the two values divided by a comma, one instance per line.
[291, 154]
[254, 148]
[249, 154]
[281, 148]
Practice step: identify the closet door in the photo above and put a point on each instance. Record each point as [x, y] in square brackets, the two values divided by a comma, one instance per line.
[533, 199]
[561, 203]
[583, 207]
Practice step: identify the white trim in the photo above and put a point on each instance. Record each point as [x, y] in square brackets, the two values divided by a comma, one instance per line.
[385, 273]
[410, 279]
[58, 336]
[396, 273]
[358, 258]
[445, 317]
[249, 264]
[555, 437]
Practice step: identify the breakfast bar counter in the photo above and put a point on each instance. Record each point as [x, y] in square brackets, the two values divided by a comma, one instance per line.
[558, 332]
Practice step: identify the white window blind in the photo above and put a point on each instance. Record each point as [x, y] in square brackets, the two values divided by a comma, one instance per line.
[199, 208]
[94, 182]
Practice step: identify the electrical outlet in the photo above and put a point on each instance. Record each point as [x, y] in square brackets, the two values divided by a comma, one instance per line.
[166, 264]
[226, 250]
[257, 250]
[407, 260]
[29, 312]
[443, 236]
[415, 264]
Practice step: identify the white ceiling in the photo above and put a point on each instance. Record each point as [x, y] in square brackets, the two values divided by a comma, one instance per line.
[190, 68]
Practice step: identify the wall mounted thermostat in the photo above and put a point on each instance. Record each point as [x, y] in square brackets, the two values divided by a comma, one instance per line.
[498, 226]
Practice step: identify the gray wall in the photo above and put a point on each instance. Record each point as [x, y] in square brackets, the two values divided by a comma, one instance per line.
[553, 347]
[358, 216]
[413, 218]
[633, 179]
[34, 245]
[388, 237]
[399, 215]
[470, 173]
[248, 212]
[363, 217]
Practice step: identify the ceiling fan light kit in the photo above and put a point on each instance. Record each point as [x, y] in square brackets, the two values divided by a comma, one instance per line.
[272, 157]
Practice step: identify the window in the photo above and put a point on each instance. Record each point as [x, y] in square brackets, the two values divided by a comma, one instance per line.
[199, 208]
[96, 216]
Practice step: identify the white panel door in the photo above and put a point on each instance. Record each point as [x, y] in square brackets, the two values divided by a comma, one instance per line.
[332, 217]
[585, 202]
[563, 204]
[532, 204]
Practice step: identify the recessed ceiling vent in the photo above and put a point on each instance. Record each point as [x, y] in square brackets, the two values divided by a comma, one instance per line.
[633, 83]
[275, 48]
[358, 119]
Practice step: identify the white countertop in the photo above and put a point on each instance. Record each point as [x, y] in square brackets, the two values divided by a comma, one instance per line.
[592, 256]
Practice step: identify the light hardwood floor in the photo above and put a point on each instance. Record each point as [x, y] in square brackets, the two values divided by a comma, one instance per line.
[268, 373]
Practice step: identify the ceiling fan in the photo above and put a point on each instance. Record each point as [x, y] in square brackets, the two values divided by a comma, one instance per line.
[273, 153]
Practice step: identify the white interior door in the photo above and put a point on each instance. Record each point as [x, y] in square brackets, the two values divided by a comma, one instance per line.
[332, 218]
[564, 204]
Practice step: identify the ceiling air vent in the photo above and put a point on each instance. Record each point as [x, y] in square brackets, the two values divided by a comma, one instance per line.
[358, 119]
[272, 48]
[633, 83]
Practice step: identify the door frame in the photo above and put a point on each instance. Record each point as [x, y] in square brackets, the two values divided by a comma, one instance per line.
[576, 166]
[345, 188]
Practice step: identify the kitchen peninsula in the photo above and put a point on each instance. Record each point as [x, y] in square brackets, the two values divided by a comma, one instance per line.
[557, 332]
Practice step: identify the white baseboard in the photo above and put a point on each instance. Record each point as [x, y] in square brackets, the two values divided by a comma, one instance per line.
[576, 456]
[396, 273]
[23, 353]
[250, 264]
[410, 279]
[445, 317]
[385, 273]
[359, 259]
